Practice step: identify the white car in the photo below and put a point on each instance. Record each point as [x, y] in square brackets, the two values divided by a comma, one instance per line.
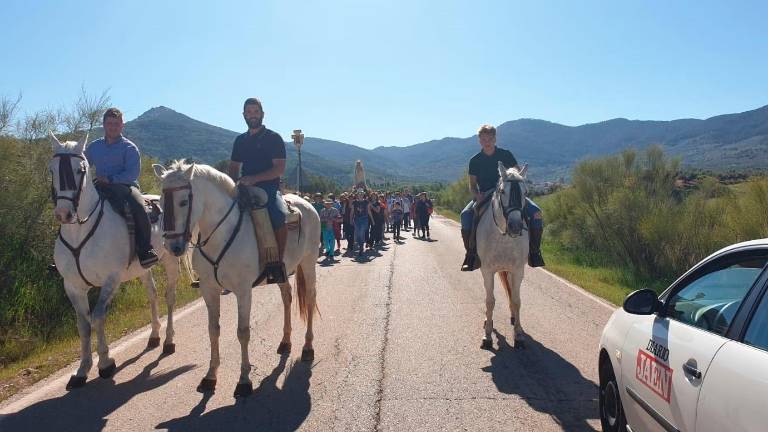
[694, 358]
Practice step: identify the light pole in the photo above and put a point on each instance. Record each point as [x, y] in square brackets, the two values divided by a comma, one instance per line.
[298, 140]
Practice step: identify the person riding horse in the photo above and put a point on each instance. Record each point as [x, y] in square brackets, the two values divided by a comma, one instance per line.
[118, 164]
[260, 152]
[483, 176]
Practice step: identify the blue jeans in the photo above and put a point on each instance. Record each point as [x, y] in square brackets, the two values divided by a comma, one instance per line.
[361, 228]
[468, 214]
[329, 240]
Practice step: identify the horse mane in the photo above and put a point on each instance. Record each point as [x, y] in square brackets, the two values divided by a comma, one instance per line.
[218, 178]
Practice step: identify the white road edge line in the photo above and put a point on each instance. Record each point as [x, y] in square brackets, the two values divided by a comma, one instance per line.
[19, 401]
[572, 285]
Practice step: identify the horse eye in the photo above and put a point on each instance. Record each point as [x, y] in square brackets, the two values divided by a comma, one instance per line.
[183, 203]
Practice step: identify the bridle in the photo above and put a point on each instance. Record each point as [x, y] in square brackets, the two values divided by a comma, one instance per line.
[169, 224]
[169, 219]
[67, 183]
[515, 202]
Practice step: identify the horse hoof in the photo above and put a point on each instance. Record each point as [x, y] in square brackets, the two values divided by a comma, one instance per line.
[153, 342]
[284, 348]
[243, 390]
[487, 344]
[108, 371]
[169, 348]
[75, 382]
[307, 354]
[207, 385]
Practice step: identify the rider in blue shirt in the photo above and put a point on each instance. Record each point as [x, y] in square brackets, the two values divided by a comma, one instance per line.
[118, 164]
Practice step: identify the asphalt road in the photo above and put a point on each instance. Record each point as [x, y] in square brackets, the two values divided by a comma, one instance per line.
[397, 348]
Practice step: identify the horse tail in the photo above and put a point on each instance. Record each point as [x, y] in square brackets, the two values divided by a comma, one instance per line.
[505, 283]
[301, 292]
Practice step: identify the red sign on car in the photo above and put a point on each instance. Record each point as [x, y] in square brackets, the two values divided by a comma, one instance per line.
[654, 374]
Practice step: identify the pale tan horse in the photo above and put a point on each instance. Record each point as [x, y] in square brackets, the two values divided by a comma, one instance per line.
[226, 256]
[93, 250]
[502, 245]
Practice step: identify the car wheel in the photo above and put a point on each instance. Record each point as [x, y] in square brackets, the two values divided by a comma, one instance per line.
[611, 411]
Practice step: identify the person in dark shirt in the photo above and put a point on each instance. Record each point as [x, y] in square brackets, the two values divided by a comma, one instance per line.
[260, 154]
[483, 176]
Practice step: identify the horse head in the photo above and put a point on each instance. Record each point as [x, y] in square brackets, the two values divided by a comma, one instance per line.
[509, 198]
[69, 173]
[179, 210]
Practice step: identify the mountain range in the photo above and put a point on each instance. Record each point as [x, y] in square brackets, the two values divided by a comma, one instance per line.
[726, 142]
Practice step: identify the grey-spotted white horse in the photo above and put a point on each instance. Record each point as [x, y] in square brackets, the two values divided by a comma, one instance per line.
[198, 197]
[93, 250]
[502, 245]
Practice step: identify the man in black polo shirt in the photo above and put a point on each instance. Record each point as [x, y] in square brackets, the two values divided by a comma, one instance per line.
[260, 153]
[483, 176]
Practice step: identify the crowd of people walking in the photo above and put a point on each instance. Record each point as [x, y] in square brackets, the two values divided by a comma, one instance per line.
[363, 217]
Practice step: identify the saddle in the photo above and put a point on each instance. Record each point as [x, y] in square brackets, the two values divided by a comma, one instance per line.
[151, 206]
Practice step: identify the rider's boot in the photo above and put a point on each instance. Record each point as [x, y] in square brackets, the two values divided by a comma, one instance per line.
[534, 247]
[279, 274]
[471, 260]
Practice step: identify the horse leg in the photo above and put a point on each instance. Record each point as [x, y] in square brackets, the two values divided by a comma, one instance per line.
[244, 385]
[309, 289]
[490, 303]
[285, 343]
[149, 284]
[172, 267]
[212, 298]
[79, 299]
[106, 364]
[515, 279]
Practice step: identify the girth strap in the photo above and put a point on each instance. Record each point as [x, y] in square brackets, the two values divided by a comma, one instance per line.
[76, 250]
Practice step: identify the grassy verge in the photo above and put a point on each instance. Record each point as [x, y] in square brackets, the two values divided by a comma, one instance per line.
[611, 283]
[129, 311]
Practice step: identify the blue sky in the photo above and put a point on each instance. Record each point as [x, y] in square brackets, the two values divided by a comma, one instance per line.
[374, 73]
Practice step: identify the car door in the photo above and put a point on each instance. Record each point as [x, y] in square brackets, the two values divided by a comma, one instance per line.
[665, 356]
[735, 388]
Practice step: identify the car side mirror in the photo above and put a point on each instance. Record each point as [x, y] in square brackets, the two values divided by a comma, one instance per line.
[642, 302]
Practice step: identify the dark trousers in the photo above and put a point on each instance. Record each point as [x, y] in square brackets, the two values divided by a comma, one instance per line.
[117, 194]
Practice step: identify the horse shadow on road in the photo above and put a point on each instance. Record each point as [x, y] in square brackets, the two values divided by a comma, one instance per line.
[86, 409]
[546, 381]
[269, 408]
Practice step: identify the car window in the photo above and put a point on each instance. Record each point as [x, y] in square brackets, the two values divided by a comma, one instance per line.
[757, 331]
[711, 300]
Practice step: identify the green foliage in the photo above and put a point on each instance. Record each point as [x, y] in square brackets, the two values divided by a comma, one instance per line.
[455, 196]
[627, 211]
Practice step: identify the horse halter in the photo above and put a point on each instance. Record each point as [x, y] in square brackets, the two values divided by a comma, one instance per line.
[515, 202]
[67, 181]
[169, 219]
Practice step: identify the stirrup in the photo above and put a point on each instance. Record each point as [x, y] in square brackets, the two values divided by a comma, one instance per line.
[276, 273]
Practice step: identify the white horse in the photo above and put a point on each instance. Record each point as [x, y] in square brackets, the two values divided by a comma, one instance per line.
[92, 250]
[502, 245]
[198, 197]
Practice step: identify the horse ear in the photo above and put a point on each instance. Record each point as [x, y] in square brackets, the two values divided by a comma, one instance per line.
[524, 170]
[55, 143]
[502, 170]
[189, 172]
[80, 149]
[159, 170]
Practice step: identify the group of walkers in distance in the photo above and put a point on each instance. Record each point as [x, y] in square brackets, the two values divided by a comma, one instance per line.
[362, 217]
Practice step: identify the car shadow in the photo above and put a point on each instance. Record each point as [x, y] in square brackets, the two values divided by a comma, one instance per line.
[269, 408]
[546, 381]
[86, 409]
